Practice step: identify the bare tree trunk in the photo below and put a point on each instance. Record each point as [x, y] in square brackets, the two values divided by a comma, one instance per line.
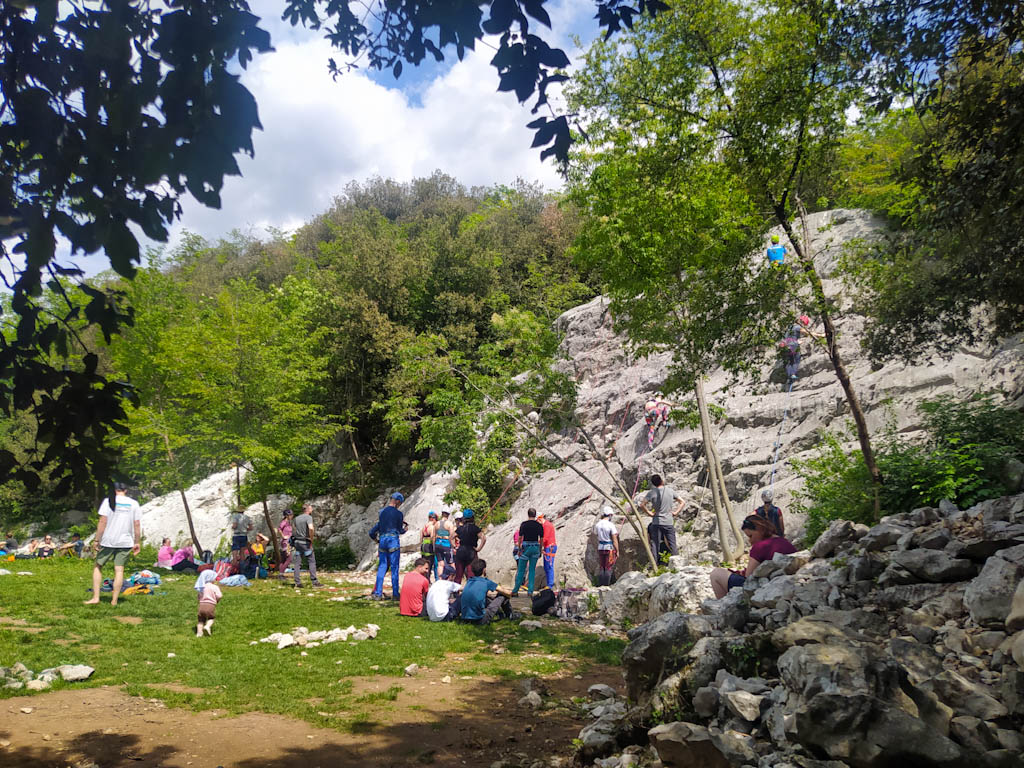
[832, 348]
[718, 495]
[184, 499]
[191, 527]
[238, 483]
[726, 503]
[273, 533]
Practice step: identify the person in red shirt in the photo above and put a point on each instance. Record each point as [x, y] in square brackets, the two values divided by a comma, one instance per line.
[414, 589]
[550, 548]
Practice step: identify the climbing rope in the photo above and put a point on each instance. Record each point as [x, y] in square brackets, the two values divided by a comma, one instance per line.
[778, 435]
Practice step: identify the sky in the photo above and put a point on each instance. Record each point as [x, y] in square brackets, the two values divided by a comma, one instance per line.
[319, 134]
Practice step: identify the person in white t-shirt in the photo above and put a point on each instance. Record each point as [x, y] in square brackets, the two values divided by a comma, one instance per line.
[118, 535]
[607, 547]
[440, 606]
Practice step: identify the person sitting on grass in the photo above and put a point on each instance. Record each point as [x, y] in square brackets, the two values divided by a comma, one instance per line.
[182, 559]
[47, 548]
[443, 601]
[415, 586]
[482, 599]
[165, 553]
[764, 545]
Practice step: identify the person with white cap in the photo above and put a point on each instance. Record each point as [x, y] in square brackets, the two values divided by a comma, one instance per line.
[607, 547]
[390, 526]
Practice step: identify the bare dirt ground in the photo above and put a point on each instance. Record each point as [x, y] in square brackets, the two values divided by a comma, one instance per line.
[461, 723]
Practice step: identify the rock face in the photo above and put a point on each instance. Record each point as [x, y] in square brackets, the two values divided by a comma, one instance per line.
[823, 657]
[612, 388]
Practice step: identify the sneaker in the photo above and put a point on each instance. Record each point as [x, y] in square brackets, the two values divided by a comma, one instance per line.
[316, 585]
[375, 596]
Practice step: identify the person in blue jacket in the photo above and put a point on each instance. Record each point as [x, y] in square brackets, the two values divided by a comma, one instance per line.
[776, 252]
[390, 526]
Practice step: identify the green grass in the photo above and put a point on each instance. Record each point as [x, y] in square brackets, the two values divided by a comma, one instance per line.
[236, 677]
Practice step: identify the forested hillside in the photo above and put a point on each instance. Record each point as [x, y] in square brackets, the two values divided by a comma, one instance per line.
[276, 352]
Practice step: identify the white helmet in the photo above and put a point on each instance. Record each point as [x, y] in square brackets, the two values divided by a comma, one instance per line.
[458, 515]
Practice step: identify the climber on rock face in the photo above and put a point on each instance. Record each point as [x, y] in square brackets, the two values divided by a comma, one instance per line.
[790, 348]
[656, 412]
[776, 252]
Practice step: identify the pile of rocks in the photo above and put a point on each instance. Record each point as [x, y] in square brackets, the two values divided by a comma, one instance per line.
[636, 598]
[897, 644]
[19, 676]
[304, 638]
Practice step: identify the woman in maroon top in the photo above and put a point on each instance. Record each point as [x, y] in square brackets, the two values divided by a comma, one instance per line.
[764, 544]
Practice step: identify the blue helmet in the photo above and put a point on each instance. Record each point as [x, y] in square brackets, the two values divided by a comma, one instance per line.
[398, 497]
[467, 513]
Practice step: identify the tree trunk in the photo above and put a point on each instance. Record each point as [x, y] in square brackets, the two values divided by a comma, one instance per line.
[238, 484]
[184, 500]
[725, 523]
[273, 533]
[191, 527]
[726, 504]
[832, 348]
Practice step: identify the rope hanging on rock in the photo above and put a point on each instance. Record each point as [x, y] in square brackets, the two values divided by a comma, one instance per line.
[778, 435]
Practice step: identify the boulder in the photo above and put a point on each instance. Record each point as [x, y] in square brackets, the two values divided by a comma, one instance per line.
[686, 745]
[659, 648]
[989, 596]
[73, 673]
[1015, 617]
[744, 705]
[935, 566]
[882, 536]
[838, 533]
[965, 696]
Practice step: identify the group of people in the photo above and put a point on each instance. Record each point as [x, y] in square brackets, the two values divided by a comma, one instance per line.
[478, 601]
[45, 548]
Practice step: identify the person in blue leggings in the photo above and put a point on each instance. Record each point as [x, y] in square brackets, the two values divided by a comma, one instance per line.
[390, 526]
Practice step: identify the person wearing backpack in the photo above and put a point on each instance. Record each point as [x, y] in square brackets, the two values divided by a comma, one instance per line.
[771, 513]
[663, 505]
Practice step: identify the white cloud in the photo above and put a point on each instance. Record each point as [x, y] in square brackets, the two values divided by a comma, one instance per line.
[319, 134]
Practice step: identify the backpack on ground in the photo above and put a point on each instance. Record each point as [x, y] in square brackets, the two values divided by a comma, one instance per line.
[543, 602]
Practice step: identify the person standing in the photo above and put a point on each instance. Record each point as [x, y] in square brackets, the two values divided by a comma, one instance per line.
[550, 548]
[607, 547]
[303, 534]
[664, 506]
[531, 534]
[241, 525]
[285, 528]
[427, 542]
[118, 535]
[415, 586]
[443, 536]
[471, 541]
[389, 528]
[771, 513]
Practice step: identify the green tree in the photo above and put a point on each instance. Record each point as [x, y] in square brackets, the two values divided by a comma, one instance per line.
[758, 95]
[110, 113]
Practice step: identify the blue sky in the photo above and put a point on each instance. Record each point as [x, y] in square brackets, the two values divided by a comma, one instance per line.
[320, 134]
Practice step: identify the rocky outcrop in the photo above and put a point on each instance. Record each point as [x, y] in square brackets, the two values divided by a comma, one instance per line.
[612, 387]
[827, 661]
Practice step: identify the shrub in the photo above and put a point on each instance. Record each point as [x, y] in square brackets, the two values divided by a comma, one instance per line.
[962, 459]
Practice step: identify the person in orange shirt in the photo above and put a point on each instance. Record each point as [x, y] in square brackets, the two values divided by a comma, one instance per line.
[550, 547]
[414, 588]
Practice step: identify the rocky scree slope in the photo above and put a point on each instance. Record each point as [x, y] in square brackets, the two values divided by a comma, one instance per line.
[902, 644]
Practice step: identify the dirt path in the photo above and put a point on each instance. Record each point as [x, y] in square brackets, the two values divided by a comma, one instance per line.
[461, 723]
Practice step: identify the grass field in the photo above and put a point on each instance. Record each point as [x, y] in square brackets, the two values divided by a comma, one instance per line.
[43, 623]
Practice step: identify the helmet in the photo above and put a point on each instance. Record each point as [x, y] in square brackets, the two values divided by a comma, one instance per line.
[398, 497]
[775, 238]
[804, 320]
[606, 511]
[458, 515]
[467, 513]
[432, 514]
[767, 496]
